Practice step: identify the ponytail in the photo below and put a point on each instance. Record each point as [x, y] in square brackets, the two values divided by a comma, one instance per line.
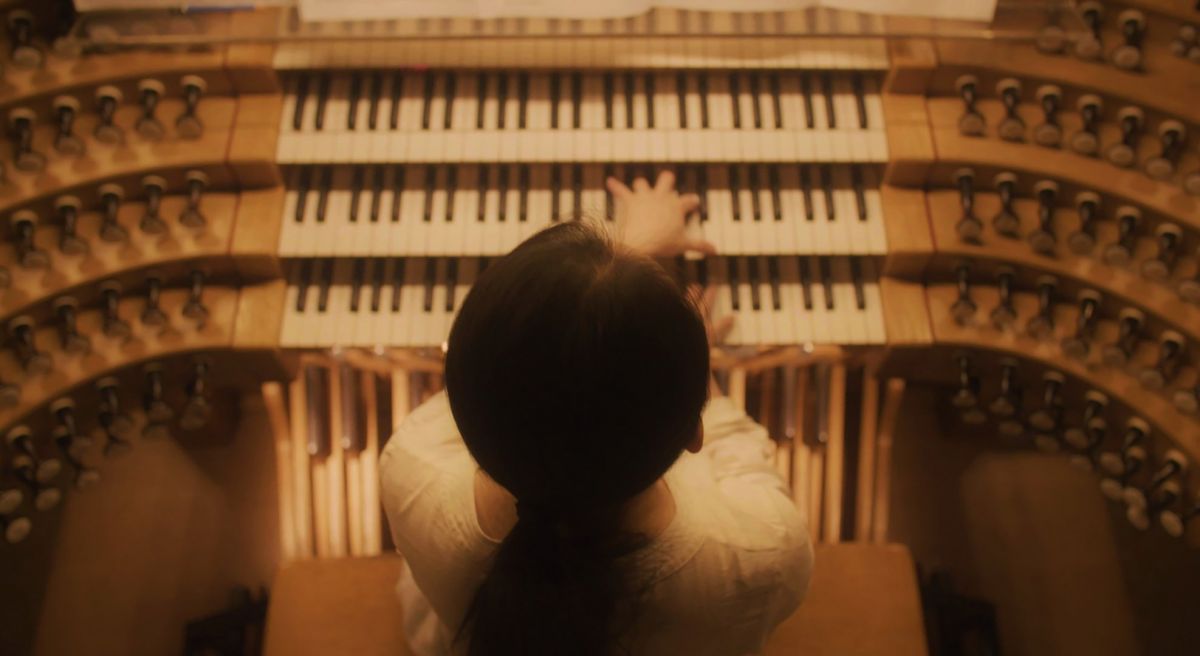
[576, 376]
[555, 587]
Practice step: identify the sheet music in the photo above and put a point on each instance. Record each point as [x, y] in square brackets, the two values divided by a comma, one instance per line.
[327, 10]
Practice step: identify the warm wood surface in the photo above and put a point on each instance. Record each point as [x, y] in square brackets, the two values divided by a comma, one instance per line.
[863, 601]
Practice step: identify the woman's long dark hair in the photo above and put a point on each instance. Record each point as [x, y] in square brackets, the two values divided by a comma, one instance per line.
[577, 374]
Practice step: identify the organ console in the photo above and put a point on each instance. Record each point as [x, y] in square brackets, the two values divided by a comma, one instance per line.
[296, 211]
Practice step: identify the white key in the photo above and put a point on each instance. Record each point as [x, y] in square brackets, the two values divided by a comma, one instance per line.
[412, 211]
[408, 319]
[291, 230]
[377, 309]
[491, 229]
[333, 320]
[800, 319]
[358, 329]
[876, 332]
[721, 228]
[851, 321]
[538, 200]
[824, 329]
[437, 207]
[799, 238]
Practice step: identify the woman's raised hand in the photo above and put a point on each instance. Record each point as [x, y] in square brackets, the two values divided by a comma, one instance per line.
[653, 220]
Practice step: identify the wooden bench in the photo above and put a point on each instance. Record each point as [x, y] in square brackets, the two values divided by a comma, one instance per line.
[863, 602]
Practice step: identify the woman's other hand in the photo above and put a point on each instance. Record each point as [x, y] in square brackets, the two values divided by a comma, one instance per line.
[653, 220]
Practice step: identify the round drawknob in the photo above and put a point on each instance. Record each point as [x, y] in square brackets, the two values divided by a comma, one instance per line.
[47, 499]
[17, 530]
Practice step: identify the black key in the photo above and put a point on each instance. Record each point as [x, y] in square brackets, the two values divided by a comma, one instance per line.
[702, 88]
[806, 91]
[608, 197]
[451, 187]
[323, 195]
[827, 87]
[503, 184]
[356, 185]
[735, 281]
[577, 192]
[776, 101]
[484, 261]
[776, 205]
[827, 189]
[322, 99]
[430, 185]
[376, 92]
[577, 100]
[301, 98]
[376, 285]
[451, 282]
[734, 97]
[755, 295]
[702, 273]
[860, 299]
[397, 283]
[302, 286]
[355, 92]
[357, 276]
[484, 173]
[302, 193]
[860, 101]
[755, 204]
[397, 192]
[451, 88]
[326, 279]
[755, 102]
[735, 190]
[523, 205]
[776, 283]
[555, 190]
[609, 92]
[430, 282]
[826, 281]
[522, 99]
[501, 99]
[376, 192]
[630, 91]
[397, 95]
[427, 106]
[806, 191]
[805, 281]
[649, 82]
[702, 191]
[481, 96]
[860, 197]
[554, 94]
[681, 91]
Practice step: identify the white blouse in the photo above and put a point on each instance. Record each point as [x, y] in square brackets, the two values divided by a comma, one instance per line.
[732, 564]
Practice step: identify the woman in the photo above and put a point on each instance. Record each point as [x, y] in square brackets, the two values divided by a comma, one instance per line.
[571, 493]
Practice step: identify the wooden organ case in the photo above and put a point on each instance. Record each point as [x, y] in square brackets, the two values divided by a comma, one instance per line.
[224, 227]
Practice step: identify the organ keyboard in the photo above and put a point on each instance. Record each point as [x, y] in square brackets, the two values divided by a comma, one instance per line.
[482, 209]
[893, 203]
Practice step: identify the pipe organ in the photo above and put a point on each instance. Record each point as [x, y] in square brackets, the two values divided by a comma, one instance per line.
[266, 206]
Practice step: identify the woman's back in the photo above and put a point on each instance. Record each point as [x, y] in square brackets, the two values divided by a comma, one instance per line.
[732, 563]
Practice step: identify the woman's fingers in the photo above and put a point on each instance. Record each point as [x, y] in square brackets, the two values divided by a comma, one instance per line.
[700, 246]
[689, 203]
[665, 182]
[721, 329]
[640, 184]
[617, 188]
